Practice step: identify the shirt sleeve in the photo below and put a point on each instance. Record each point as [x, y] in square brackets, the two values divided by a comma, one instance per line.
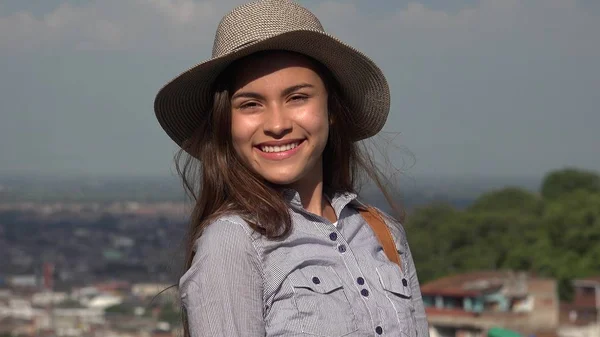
[417, 300]
[222, 292]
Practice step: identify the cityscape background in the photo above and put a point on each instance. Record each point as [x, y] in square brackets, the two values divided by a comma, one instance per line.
[492, 137]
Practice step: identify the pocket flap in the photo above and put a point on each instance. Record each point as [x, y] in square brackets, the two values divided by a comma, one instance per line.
[319, 279]
[393, 280]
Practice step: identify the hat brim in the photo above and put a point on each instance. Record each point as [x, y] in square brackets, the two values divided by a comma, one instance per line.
[182, 104]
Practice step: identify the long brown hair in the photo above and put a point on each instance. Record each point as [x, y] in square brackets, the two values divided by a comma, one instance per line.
[219, 182]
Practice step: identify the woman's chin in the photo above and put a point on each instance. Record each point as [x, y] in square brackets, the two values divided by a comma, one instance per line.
[281, 181]
[281, 178]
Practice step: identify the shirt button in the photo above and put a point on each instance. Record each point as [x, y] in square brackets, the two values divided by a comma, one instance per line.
[333, 236]
[364, 292]
[342, 248]
[404, 282]
[360, 281]
[379, 330]
[316, 280]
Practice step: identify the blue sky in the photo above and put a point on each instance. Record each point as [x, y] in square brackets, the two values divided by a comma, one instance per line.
[486, 87]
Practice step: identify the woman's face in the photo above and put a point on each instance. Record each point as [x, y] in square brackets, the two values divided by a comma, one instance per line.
[279, 121]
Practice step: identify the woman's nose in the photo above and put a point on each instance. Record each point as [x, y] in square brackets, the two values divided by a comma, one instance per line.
[277, 122]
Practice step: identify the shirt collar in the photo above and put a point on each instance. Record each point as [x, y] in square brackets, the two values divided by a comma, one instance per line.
[338, 200]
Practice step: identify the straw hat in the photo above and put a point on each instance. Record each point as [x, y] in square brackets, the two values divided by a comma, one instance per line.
[183, 103]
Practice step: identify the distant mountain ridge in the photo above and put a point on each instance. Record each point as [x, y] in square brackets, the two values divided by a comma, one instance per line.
[458, 191]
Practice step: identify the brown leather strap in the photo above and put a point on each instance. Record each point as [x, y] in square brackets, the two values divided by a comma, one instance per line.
[382, 232]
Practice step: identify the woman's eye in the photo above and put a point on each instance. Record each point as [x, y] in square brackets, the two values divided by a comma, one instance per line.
[298, 98]
[248, 105]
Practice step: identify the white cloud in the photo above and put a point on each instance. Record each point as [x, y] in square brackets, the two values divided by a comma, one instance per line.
[138, 24]
[179, 12]
[66, 24]
[488, 19]
[113, 24]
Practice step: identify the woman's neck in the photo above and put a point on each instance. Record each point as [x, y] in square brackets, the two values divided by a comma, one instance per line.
[310, 191]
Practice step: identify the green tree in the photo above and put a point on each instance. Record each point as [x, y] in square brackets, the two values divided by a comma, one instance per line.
[506, 224]
[566, 181]
[512, 199]
[573, 231]
[555, 235]
[432, 233]
[119, 309]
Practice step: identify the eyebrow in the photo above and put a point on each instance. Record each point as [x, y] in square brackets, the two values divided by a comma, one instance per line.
[285, 92]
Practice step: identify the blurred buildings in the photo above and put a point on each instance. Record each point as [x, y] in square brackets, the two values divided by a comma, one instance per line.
[103, 309]
[468, 305]
[97, 270]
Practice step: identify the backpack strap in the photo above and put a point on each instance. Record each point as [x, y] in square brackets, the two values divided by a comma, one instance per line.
[381, 230]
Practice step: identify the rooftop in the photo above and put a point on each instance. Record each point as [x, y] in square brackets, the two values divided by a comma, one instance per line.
[477, 283]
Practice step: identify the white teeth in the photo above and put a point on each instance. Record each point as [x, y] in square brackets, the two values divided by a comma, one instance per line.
[282, 148]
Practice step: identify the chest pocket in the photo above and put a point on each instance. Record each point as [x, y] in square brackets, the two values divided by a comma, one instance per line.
[323, 308]
[397, 289]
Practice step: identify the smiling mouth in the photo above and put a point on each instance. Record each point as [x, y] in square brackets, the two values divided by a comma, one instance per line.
[280, 148]
[272, 148]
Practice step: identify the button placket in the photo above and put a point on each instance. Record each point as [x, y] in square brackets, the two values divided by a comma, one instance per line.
[342, 248]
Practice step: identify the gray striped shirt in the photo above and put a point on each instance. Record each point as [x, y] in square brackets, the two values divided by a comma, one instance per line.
[321, 280]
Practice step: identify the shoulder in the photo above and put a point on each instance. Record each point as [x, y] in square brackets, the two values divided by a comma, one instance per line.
[228, 240]
[225, 228]
[396, 228]
[399, 235]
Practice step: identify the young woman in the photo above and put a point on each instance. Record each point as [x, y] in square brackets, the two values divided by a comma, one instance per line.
[278, 244]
